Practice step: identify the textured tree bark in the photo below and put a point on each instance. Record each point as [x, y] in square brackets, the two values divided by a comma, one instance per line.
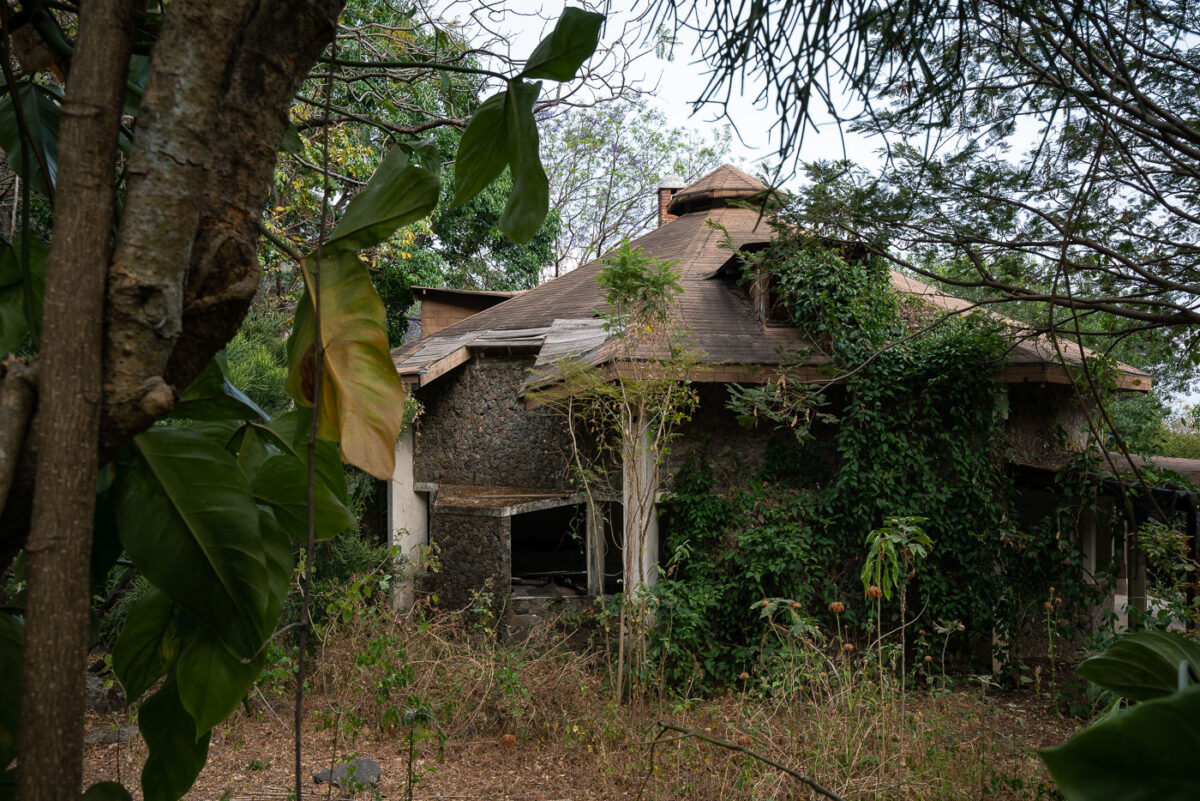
[162, 334]
[282, 41]
[56, 632]
[173, 152]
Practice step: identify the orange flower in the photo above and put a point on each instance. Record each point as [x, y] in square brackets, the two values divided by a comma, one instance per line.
[837, 607]
[874, 592]
[848, 647]
[744, 675]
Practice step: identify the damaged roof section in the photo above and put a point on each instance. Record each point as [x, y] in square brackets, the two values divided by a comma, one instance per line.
[730, 339]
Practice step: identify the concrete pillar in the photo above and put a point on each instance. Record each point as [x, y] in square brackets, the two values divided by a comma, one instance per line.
[639, 494]
[408, 521]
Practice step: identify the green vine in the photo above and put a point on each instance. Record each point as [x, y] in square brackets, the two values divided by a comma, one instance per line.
[913, 427]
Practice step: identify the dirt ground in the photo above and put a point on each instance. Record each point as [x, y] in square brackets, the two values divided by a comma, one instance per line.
[251, 757]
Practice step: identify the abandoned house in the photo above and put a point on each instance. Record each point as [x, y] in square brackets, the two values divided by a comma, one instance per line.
[484, 475]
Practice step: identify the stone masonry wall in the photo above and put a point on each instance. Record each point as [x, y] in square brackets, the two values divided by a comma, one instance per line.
[1045, 423]
[715, 433]
[476, 554]
[474, 431]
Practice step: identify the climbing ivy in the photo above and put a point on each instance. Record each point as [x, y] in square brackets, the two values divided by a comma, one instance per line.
[912, 424]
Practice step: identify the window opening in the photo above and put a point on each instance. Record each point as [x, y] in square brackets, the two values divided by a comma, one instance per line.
[549, 556]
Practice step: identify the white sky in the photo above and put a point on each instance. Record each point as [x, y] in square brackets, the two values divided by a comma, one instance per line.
[679, 81]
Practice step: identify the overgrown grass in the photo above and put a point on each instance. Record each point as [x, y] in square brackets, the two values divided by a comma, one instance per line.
[816, 706]
[505, 707]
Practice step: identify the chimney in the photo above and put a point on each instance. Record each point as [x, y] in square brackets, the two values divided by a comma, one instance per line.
[668, 185]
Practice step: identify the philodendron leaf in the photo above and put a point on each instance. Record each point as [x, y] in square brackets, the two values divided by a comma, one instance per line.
[211, 396]
[362, 397]
[176, 755]
[293, 427]
[280, 562]
[211, 681]
[281, 482]
[40, 109]
[12, 635]
[147, 646]
[573, 40]
[254, 443]
[1143, 665]
[482, 150]
[291, 142]
[398, 193]
[189, 523]
[1145, 753]
[530, 199]
[17, 298]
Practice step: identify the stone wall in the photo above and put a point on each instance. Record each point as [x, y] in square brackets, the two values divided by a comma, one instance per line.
[475, 552]
[1045, 423]
[714, 432]
[473, 430]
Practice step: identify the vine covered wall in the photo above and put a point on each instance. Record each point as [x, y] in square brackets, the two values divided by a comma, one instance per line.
[914, 427]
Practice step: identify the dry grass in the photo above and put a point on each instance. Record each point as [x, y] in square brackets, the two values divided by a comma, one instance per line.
[534, 720]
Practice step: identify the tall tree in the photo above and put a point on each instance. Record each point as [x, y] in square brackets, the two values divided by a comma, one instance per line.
[154, 266]
[1064, 132]
[604, 164]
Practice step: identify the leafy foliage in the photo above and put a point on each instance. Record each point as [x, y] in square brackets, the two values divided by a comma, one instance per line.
[639, 291]
[218, 592]
[208, 507]
[913, 431]
[604, 163]
[1143, 752]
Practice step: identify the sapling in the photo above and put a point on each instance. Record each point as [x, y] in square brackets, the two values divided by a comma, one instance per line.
[892, 550]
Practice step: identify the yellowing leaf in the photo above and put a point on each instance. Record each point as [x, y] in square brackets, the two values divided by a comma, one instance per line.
[362, 397]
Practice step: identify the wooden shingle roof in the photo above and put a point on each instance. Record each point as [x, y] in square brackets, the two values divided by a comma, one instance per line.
[731, 340]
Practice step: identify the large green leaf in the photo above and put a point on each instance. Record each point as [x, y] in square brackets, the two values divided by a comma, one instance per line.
[295, 427]
[573, 40]
[398, 193]
[362, 397]
[288, 433]
[189, 523]
[135, 84]
[176, 755]
[41, 112]
[1144, 665]
[211, 681]
[281, 482]
[280, 562]
[19, 299]
[211, 396]
[482, 150]
[1146, 753]
[148, 644]
[530, 199]
[12, 633]
[106, 541]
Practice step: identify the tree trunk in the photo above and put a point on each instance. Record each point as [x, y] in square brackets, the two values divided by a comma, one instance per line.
[56, 636]
[274, 44]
